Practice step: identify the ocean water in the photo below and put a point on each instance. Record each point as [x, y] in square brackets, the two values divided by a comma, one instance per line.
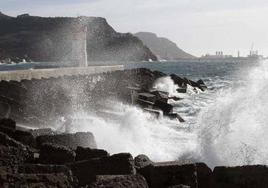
[225, 125]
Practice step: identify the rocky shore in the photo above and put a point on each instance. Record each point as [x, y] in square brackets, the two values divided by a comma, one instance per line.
[44, 158]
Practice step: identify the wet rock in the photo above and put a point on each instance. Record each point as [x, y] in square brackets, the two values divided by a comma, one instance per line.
[120, 181]
[55, 154]
[168, 174]
[88, 153]
[70, 140]
[241, 177]
[142, 161]
[165, 107]
[119, 164]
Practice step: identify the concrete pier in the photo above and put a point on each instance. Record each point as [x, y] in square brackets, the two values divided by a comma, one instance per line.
[18, 75]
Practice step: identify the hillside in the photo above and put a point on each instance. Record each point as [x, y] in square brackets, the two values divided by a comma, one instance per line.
[51, 39]
[163, 48]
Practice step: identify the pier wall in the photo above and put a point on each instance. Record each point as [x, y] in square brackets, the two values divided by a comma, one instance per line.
[18, 75]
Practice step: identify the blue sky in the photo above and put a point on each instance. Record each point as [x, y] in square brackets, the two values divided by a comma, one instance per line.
[198, 26]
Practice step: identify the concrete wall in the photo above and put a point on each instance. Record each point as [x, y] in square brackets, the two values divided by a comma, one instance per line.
[19, 75]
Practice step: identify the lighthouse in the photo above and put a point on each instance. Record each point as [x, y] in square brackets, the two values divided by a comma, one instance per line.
[79, 46]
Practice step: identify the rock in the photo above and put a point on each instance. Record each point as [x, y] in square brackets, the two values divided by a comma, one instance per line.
[55, 154]
[43, 169]
[204, 176]
[161, 175]
[180, 186]
[13, 153]
[69, 140]
[165, 107]
[119, 164]
[59, 180]
[88, 153]
[7, 126]
[241, 177]
[25, 137]
[142, 161]
[7, 141]
[120, 181]
[42, 132]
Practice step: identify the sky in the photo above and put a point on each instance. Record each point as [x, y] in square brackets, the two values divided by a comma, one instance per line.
[197, 26]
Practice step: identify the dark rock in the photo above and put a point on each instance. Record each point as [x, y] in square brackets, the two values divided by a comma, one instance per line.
[43, 169]
[69, 140]
[8, 124]
[161, 175]
[54, 154]
[42, 132]
[241, 177]
[59, 180]
[88, 153]
[176, 116]
[7, 141]
[120, 181]
[180, 186]
[12, 156]
[119, 164]
[204, 176]
[165, 107]
[25, 137]
[142, 161]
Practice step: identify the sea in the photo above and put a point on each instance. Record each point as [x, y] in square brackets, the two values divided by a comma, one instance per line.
[225, 125]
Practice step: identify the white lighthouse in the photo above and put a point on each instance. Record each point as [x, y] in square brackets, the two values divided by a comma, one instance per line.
[79, 47]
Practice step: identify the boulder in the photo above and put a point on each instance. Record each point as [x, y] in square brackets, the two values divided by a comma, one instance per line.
[119, 164]
[88, 153]
[55, 154]
[142, 161]
[204, 176]
[70, 140]
[5, 140]
[241, 177]
[43, 169]
[59, 180]
[7, 126]
[167, 174]
[24, 137]
[120, 181]
[165, 107]
[42, 132]
[13, 153]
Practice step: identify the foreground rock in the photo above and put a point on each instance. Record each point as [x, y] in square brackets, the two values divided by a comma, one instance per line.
[119, 164]
[120, 181]
[241, 177]
[69, 140]
[168, 174]
[53, 154]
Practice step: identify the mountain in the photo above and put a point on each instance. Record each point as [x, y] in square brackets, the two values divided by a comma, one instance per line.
[52, 39]
[163, 48]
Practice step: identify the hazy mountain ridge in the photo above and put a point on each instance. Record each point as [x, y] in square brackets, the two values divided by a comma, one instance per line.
[50, 39]
[163, 48]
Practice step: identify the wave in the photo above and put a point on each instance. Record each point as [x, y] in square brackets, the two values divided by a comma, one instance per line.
[233, 130]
